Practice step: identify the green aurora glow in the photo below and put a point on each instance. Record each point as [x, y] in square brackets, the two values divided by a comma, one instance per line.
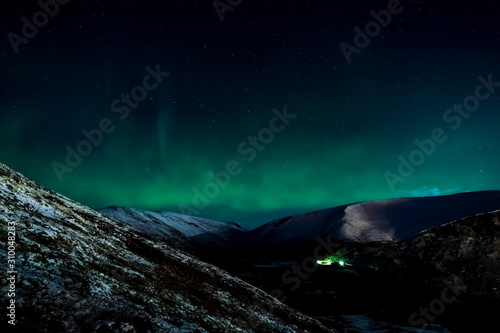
[352, 123]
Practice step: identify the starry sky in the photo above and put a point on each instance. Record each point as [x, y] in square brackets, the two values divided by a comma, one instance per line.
[250, 110]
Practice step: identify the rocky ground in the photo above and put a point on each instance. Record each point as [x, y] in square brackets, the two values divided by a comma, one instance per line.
[80, 271]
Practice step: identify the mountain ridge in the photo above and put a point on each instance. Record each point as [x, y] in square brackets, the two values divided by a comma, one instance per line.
[381, 220]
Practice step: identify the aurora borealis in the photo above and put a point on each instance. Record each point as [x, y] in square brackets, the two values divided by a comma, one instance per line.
[227, 79]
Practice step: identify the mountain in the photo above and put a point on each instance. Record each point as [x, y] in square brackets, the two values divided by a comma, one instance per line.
[429, 240]
[465, 251]
[81, 271]
[180, 231]
[398, 255]
[371, 221]
[375, 221]
[401, 258]
[424, 238]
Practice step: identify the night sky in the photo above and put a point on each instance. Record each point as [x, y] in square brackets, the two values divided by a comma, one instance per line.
[266, 101]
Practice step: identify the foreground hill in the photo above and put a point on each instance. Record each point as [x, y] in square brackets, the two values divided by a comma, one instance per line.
[81, 271]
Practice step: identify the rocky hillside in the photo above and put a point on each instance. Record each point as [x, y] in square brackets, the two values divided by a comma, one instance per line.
[81, 271]
[465, 252]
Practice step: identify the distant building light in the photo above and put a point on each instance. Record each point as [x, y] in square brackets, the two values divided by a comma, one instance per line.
[328, 262]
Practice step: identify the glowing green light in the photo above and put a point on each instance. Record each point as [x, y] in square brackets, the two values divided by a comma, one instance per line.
[337, 257]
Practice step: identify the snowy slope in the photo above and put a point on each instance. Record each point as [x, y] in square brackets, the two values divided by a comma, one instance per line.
[176, 229]
[387, 220]
[81, 271]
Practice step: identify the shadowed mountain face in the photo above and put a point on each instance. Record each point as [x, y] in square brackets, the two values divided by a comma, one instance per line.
[81, 271]
[466, 251]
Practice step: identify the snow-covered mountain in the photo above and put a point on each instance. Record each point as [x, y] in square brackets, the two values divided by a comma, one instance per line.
[386, 220]
[371, 221]
[81, 271]
[180, 231]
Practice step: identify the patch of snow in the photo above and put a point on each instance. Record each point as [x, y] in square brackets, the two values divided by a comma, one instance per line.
[365, 324]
